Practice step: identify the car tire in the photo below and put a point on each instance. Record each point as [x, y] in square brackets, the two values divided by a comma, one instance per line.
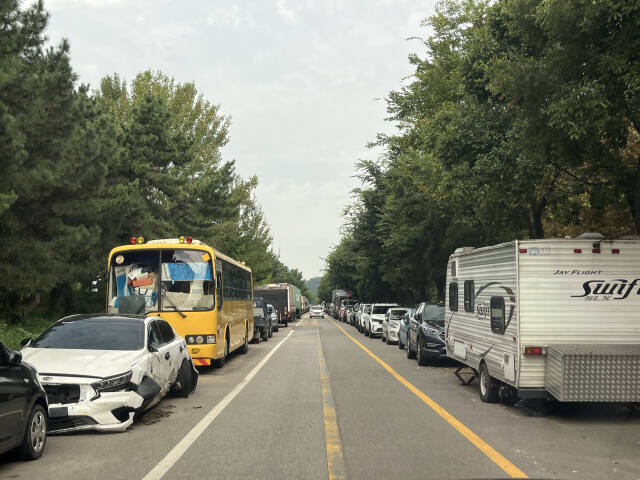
[183, 380]
[366, 332]
[387, 341]
[265, 335]
[35, 434]
[410, 353]
[488, 386]
[422, 358]
[270, 331]
[276, 328]
[286, 323]
[400, 345]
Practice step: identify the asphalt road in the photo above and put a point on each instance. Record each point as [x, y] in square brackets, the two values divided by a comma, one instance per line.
[319, 400]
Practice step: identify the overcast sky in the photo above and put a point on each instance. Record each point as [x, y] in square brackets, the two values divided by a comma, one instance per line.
[303, 81]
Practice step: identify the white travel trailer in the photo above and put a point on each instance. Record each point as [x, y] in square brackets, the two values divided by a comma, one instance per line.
[551, 317]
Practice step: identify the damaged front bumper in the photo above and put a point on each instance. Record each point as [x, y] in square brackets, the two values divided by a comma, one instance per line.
[100, 411]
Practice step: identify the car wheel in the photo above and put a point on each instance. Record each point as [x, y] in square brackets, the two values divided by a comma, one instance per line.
[422, 358]
[382, 337]
[270, 330]
[400, 345]
[366, 332]
[35, 435]
[183, 381]
[387, 341]
[488, 386]
[265, 334]
[276, 328]
[286, 323]
[410, 353]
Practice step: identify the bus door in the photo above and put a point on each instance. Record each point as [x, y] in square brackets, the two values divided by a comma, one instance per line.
[221, 321]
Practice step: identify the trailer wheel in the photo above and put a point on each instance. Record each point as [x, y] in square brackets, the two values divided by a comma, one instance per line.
[488, 386]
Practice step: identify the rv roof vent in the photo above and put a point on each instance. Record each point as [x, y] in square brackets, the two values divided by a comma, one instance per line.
[590, 236]
[463, 249]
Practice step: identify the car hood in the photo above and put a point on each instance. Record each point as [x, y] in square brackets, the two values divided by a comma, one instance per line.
[376, 316]
[82, 363]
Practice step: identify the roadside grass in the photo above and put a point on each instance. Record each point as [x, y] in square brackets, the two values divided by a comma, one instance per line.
[29, 326]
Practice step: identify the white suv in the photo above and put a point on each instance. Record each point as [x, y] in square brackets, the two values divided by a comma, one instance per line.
[316, 311]
[373, 327]
[363, 313]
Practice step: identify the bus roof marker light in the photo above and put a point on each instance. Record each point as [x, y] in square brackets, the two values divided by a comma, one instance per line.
[189, 239]
[181, 238]
[140, 239]
[133, 239]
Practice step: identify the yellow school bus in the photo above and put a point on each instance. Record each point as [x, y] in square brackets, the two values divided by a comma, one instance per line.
[206, 296]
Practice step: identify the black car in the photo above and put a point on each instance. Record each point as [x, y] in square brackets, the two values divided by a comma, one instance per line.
[425, 337]
[262, 324]
[23, 406]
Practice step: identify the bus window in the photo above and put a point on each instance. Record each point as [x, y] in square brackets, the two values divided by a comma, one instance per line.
[133, 282]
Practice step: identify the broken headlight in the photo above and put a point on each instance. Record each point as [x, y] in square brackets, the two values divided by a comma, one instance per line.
[113, 384]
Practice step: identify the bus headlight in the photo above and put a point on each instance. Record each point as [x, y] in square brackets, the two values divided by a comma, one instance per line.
[200, 339]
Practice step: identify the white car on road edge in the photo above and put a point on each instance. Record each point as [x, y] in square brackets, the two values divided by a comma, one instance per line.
[373, 328]
[98, 370]
[391, 325]
[316, 311]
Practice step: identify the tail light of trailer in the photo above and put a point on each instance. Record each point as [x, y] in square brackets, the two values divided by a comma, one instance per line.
[535, 350]
[615, 250]
[577, 250]
[523, 250]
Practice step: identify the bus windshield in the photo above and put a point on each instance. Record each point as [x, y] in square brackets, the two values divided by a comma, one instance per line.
[143, 281]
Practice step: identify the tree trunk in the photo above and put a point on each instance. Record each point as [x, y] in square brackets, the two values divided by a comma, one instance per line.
[536, 228]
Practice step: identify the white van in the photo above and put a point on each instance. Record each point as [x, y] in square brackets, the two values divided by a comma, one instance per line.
[551, 317]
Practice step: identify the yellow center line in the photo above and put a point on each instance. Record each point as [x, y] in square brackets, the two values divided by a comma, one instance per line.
[478, 442]
[335, 459]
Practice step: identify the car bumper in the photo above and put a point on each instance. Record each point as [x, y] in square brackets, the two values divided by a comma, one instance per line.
[375, 329]
[97, 414]
[393, 335]
[434, 350]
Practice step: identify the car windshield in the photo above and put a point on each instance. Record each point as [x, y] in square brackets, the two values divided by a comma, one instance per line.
[397, 313]
[315, 309]
[101, 333]
[377, 310]
[434, 314]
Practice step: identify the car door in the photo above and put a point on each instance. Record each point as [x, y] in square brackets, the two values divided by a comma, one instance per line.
[14, 384]
[172, 346]
[159, 367]
[414, 326]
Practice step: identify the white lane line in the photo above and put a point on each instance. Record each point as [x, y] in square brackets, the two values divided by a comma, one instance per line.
[176, 452]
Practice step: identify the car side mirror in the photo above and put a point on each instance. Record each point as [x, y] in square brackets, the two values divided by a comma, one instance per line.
[152, 349]
[25, 341]
[15, 358]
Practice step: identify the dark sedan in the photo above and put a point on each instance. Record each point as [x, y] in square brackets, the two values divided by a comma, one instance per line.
[23, 406]
[426, 333]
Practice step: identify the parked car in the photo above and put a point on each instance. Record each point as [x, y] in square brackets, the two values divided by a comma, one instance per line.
[364, 317]
[360, 315]
[23, 406]
[316, 311]
[374, 320]
[98, 370]
[426, 333]
[262, 326]
[271, 310]
[391, 325]
[403, 332]
[352, 314]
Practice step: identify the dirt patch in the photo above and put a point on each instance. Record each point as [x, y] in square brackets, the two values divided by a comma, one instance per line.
[157, 413]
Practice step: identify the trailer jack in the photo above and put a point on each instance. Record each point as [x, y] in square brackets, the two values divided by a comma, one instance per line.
[465, 375]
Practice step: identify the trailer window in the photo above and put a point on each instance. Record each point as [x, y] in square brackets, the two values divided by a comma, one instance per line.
[497, 315]
[453, 296]
[469, 300]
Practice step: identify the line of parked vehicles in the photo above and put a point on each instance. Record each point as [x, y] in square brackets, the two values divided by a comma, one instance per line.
[555, 318]
[419, 330]
[172, 305]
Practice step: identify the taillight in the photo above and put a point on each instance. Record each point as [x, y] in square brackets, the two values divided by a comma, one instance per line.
[595, 250]
[523, 250]
[615, 250]
[535, 351]
[577, 250]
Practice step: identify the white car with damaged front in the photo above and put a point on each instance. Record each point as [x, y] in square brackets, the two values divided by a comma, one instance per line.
[99, 370]
[376, 317]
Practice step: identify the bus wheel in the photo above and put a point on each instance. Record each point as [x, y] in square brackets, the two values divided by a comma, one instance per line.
[245, 348]
[221, 361]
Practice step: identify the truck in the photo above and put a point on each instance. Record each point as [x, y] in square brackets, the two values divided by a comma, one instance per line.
[283, 297]
[336, 297]
[548, 318]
